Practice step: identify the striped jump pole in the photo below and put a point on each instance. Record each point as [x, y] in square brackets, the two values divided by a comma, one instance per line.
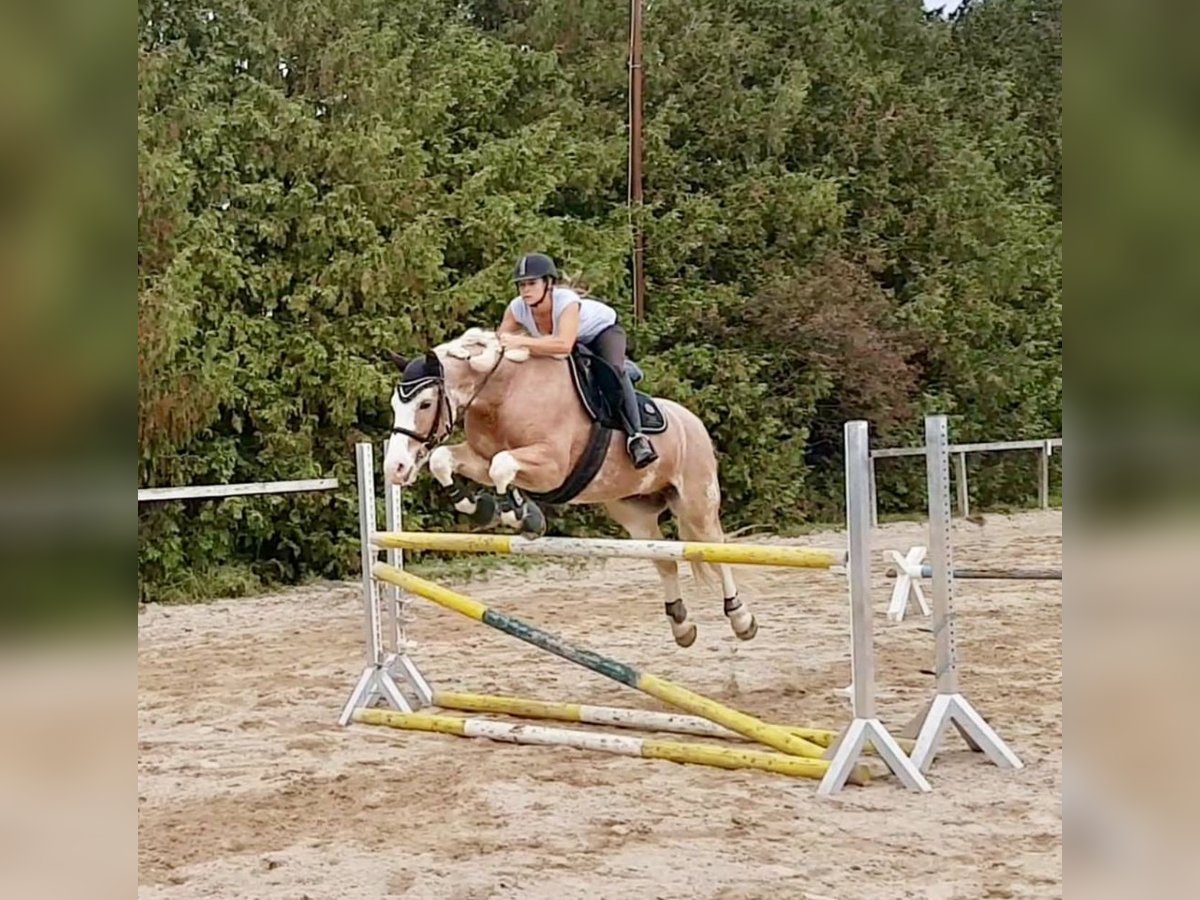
[614, 716]
[998, 574]
[774, 736]
[600, 548]
[910, 570]
[646, 748]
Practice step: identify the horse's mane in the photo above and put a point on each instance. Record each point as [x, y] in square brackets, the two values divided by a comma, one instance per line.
[481, 348]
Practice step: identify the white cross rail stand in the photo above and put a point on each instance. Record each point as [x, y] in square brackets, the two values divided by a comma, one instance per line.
[865, 727]
[385, 658]
[909, 571]
[948, 705]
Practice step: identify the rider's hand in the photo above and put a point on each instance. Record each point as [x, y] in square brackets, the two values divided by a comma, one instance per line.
[512, 341]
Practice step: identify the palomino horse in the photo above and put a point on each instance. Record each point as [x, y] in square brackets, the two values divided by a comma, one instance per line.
[526, 430]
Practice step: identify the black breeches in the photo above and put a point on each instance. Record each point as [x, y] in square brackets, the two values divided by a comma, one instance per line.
[609, 345]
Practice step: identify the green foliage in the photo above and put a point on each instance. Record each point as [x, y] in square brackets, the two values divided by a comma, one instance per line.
[852, 209]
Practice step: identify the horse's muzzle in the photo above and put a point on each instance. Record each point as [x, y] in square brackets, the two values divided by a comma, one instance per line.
[404, 474]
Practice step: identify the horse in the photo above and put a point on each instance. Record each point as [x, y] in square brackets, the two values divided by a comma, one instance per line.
[530, 435]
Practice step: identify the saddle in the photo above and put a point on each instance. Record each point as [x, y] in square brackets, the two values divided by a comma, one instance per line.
[597, 386]
[598, 390]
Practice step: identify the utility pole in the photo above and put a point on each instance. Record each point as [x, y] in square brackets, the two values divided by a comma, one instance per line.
[635, 158]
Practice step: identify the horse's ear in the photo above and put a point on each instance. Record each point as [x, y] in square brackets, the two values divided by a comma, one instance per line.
[400, 361]
[432, 361]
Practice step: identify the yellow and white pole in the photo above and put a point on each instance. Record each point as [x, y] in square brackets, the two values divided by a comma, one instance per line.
[614, 548]
[613, 716]
[647, 748]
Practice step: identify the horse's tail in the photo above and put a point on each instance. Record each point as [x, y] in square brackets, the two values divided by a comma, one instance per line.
[706, 574]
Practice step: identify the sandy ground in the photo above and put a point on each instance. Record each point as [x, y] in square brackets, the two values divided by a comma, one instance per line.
[248, 788]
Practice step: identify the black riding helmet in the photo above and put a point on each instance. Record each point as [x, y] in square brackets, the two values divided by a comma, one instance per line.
[535, 265]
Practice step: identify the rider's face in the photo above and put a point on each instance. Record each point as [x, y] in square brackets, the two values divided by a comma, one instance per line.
[532, 289]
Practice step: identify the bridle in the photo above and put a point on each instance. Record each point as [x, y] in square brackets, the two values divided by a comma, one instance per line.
[432, 437]
[435, 436]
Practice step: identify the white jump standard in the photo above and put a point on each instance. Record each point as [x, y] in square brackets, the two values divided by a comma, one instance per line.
[948, 705]
[384, 657]
[866, 728]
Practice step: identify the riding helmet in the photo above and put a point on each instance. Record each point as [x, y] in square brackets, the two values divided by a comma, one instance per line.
[534, 265]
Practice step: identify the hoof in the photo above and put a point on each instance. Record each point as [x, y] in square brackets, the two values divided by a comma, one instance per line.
[749, 632]
[487, 511]
[686, 638]
[533, 521]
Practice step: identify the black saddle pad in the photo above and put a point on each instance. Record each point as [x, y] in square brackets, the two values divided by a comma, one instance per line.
[598, 390]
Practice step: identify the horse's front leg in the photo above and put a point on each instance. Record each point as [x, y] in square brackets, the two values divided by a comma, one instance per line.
[540, 468]
[445, 462]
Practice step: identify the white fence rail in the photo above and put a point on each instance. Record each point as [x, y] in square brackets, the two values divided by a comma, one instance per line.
[249, 488]
[1044, 446]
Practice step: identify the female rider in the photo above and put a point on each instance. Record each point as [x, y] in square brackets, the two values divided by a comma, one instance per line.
[554, 319]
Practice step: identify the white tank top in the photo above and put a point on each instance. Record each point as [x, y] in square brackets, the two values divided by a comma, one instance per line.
[594, 316]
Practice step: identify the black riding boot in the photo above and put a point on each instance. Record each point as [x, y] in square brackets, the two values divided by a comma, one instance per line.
[641, 451]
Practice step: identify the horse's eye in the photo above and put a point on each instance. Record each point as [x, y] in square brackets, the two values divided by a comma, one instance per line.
[425, 404]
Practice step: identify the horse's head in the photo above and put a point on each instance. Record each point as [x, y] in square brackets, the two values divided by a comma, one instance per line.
[422, 416]
[433, 392]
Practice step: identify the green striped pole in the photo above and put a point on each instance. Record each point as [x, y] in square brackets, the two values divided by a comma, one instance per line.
[774, 736]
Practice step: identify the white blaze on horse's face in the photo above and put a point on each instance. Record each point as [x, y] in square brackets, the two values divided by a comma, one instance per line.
[405, 454]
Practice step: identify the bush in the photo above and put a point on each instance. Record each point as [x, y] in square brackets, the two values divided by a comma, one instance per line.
[852, 210]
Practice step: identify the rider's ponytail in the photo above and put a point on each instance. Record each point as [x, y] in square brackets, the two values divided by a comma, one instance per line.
[574, 283]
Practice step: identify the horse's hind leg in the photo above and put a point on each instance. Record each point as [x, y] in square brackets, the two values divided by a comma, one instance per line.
[640, 519]
[697, 511]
